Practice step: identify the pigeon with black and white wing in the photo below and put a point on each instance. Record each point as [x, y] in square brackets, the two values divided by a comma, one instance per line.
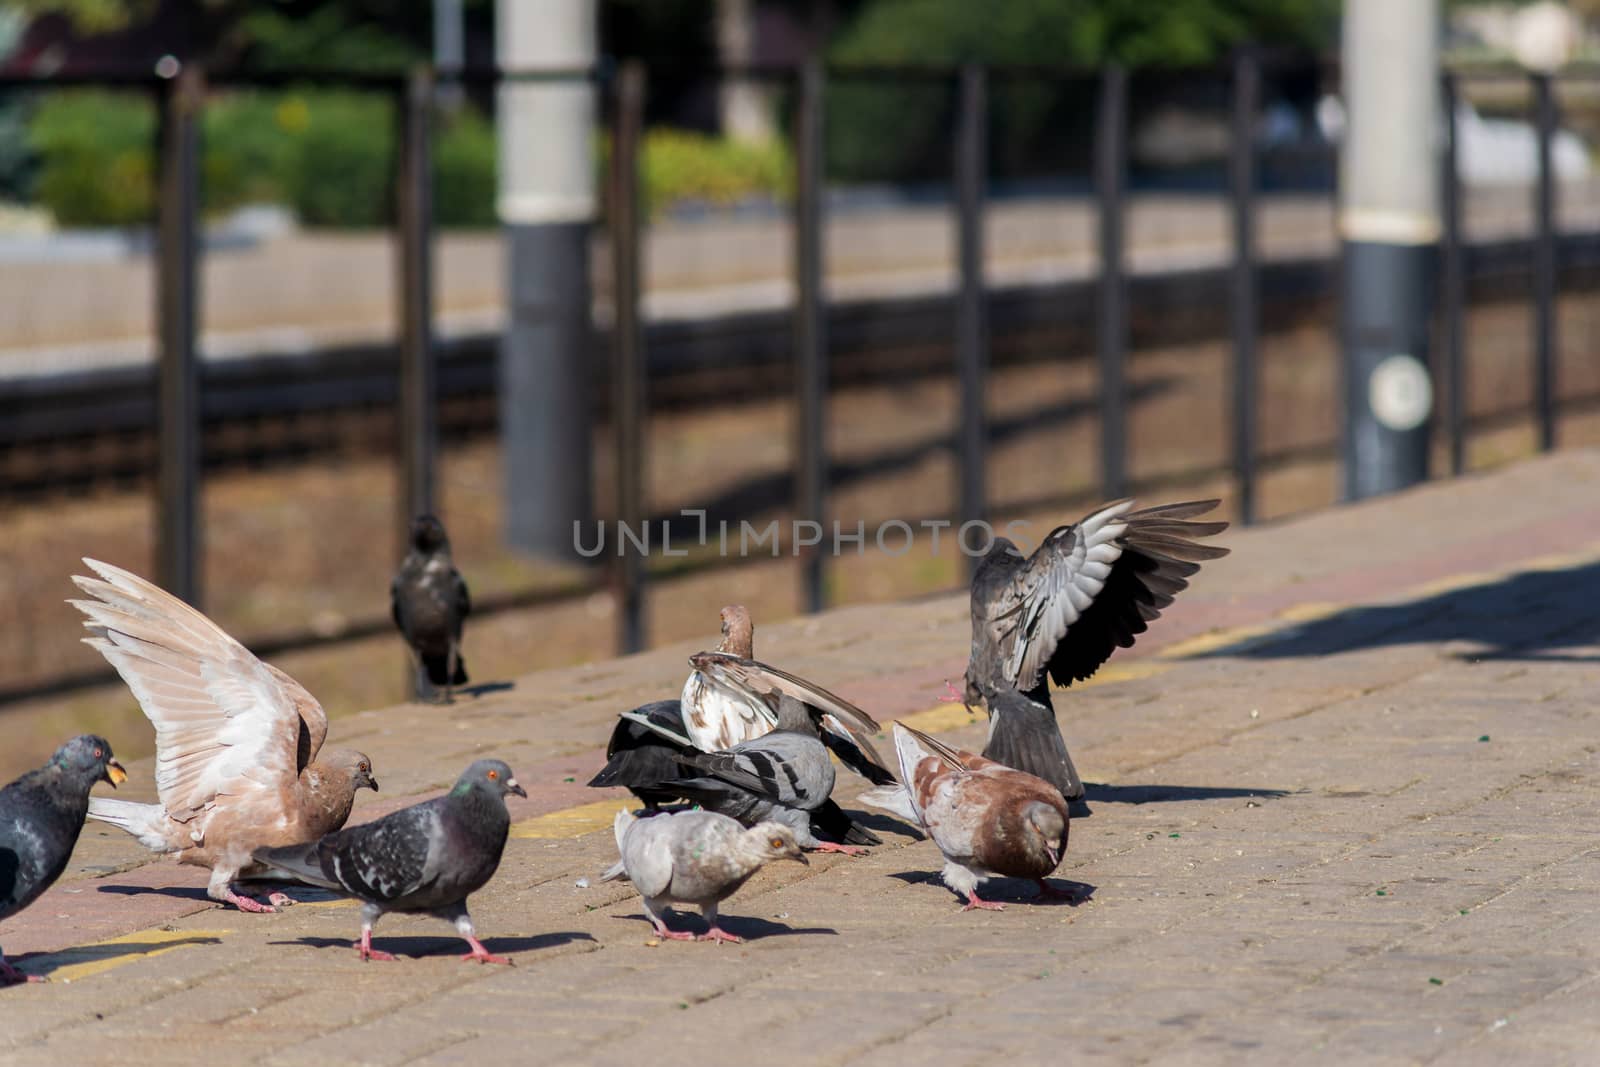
[426, 858]
[694, 857]
[41, 816]
[429, 601]
[1088, 589]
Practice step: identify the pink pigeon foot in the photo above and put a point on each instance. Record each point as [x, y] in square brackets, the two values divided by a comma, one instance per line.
[481, 954]
[9, 975]
[281, 900]
[986, 905]
[848, 850]
[364, 946]
[246, 903]
[1050, 892]
[950, 691]
[673, 935]
[716, 933]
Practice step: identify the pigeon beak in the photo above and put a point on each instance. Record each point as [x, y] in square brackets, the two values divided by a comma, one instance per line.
[513, 787]
[800, 857]
[1055, 855]
[115, 775]
[372, 783]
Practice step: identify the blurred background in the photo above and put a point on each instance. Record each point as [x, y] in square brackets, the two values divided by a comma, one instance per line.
[334, 261]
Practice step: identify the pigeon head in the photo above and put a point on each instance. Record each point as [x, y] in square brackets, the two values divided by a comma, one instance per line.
[355, 764]
[770, 841]
[87, 759]
[738, 632]
[1003, 547]
[1044, 832]
[490, 776]
[427, 534]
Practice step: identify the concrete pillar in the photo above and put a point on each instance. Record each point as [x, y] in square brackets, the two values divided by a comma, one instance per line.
[547, 204]
[1389, 224]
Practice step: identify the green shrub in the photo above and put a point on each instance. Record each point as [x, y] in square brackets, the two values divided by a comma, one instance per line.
[95, 157]
[250, 144]
[678, 165]
[465, 178]
[342, 174]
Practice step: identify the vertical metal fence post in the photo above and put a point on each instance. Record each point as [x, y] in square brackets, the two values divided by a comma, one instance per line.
[1545, 280]
[418, 418]
[972, 333]
[1111, 187]
[178, 534]
[1242, 180]
[627, 382]
[1452, 283]
[810, 336]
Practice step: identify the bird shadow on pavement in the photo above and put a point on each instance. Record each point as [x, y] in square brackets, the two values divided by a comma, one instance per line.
[483, 689]
[1538, 615]
[1156, 794]
[47, 963]
[881, 823]
[745, 926]
[1009, 890]
[180, 891]
[301, 894]
[442, 945]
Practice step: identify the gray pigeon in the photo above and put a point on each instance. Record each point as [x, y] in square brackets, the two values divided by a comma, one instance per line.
[429, 601]
[695, 857]
[41, 815]
[782, 777]
[428, 857]
[1058, 614]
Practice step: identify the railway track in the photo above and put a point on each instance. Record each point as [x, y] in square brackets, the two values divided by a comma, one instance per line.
[72, 432]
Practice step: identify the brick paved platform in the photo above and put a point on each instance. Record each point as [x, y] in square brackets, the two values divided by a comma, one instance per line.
[1346, 801]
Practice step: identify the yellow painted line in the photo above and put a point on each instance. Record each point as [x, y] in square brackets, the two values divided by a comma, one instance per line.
[1456, 582]
[86, 961]
[1312, 611]
[1229, 637]
[943, 717]
[571, 822]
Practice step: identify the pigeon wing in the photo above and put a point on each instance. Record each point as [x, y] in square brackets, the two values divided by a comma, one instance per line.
[227, 724]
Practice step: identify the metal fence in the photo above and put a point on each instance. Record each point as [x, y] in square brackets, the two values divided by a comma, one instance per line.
[181, 94]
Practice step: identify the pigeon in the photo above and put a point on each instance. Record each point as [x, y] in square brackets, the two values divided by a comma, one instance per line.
[988, 819]
[783, 776]
[715, 717]
[237, 740]
[429, 601]
[1060, 613]
[41, 815]
[426, 858]
[695, 857]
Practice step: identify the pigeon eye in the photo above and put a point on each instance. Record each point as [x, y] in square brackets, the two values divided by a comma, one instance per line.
[493, 775]
[97, 753]
[776, 842]
[364, 768]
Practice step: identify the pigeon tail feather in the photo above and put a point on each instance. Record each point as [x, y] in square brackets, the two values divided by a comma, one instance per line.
[143, 821]
[893, 799]
[1023, 735]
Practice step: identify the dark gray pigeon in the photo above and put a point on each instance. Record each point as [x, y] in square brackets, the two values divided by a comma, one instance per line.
[429, 601]
[1087, 590]
[41, 815]
[425, 858]
[694, 857]
[782, 777]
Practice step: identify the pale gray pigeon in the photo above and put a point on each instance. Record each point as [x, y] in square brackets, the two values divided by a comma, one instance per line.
[783, 776]
[694, 857]
[429, 601]
[988, 819]
[41, 815]
[1060, 613]
[425, 858]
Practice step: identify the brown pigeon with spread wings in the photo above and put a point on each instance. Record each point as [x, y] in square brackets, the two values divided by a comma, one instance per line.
[237, 740]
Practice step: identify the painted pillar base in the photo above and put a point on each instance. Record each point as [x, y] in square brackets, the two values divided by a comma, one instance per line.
[545, 388]
[1386, 319]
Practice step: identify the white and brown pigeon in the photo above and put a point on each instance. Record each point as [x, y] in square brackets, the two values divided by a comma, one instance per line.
[694, 857]
[426, 858]
[988, 819]
[429, 601]
[41, 815]
[1088, 589]
[237, 740]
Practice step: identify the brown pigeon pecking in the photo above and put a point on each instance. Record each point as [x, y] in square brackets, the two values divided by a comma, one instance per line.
[237, 740]
[988, 819]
